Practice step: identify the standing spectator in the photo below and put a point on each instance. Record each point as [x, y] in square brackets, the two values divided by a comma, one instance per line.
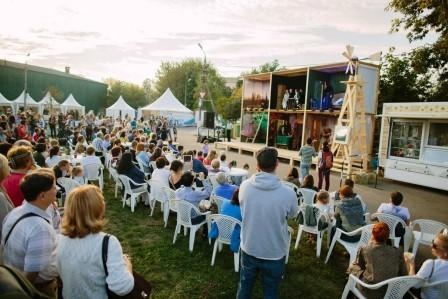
[20, 161]
[175, 131]
[325, 163]
[229, 128]
[205, 148]
[306, 153]
[6, 205]
[265, 207]
[80, 243]
[52, 125]
[394, 207]
[31, 243]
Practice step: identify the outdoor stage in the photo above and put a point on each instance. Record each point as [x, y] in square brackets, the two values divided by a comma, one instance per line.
[291, 156]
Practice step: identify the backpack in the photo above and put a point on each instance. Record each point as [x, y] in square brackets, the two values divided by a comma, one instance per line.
[13, 284]
[327, 160]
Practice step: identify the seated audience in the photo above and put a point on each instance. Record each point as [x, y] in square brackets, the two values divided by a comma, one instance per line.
[80, 243]
[232, 207]
[172, 147]
[80, 146]
[223, 162]
[78, 175]
[20, 162]
[215, 167]
[212, 155]
[293, 176]
[200, 156]
[6, 205]
[308, 183]
[175, 179]
[160, 174]
[225, 189]
[38, 156]
[186, 192]
[53, 157]
[90, 158]
[198, 167]
[349, 214]
[433, 270]
[127, 168]
[394, 207]
[33, 251]
[378, 261]
[143, 156]
[323, 203]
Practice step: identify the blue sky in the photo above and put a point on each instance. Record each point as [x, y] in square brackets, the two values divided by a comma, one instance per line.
[128, 40]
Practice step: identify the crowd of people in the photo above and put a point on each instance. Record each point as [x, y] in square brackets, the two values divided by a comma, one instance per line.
[48, 244]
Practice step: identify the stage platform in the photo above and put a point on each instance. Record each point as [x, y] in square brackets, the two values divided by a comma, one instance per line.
[290, 156]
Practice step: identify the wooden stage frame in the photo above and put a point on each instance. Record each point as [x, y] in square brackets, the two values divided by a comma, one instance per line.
[291, 156]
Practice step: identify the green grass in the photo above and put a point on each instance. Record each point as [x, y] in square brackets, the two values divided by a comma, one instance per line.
[177, 273]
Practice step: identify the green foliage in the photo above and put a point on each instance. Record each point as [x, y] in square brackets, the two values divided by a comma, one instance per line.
[133, 94]
[430, 62]
[230, 107]
[267, 67]
[186, 82]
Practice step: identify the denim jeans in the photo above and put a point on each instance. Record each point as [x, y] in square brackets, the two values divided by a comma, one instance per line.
[304, 170]
[271, 274]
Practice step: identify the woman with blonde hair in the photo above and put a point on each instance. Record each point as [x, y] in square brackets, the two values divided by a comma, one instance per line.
[6, 204]
[80, 244]
[212, 155]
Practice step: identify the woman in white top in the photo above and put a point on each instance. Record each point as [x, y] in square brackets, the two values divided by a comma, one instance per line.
[79, 258]
[433, 270]
[54, 157]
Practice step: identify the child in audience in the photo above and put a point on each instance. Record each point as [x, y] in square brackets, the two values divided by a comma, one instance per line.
[78, 175]
[200, 156]
[323, 203]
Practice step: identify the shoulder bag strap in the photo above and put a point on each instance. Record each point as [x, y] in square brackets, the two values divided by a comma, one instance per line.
[432, 270]
[27, 215]
[104, 250]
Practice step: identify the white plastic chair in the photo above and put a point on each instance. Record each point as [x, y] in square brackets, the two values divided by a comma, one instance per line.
[294, 188]
[94, 172]
[290, 233]
[428, 230]
[168, 206]
[312, 229]
[114, 174]
[351, 247]
[142, 167]
[212, 179]
[226, 225]
[133, 193]
[158, 195]
[218, 200]
[392, 222]
[184, 212]
[396, 287]
[306, 196]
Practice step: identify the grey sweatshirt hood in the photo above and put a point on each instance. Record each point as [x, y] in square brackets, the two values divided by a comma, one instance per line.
[265, 181]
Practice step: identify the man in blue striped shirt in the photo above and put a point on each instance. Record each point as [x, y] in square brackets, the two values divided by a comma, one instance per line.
[306, 152]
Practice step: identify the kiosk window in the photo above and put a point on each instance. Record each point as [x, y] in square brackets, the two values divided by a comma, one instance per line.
[406, 139]
[438, 134]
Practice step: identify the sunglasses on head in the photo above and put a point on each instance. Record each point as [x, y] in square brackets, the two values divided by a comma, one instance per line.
[434, 246]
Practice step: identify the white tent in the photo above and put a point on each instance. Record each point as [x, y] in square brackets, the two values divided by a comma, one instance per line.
[48, 102]
[120, 109]
[20, 101]
[71, 104]
[168, 105]
[5, 102]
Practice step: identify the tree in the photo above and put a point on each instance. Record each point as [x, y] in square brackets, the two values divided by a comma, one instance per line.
[184, 80]
[267, 67]
[419, 18]
[133, 94]
[148, 88]
[230, 107]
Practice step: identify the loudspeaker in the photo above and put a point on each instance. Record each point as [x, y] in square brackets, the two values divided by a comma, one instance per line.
[209, 120]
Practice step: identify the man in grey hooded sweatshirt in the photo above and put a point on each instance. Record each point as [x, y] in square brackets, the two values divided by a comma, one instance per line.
[266, 204]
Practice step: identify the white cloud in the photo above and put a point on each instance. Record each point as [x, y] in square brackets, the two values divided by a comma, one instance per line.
[128, 40]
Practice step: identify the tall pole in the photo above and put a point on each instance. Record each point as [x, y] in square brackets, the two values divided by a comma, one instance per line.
[25, 89]
[185, 91]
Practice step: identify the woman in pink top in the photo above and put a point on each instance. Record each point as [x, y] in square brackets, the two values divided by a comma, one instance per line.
[20, 161]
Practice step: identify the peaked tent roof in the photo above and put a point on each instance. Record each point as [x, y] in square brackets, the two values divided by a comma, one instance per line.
[167, 102]
[4, 101]
[70, 101]
[29, 100]
[49, 100]
[121, 104]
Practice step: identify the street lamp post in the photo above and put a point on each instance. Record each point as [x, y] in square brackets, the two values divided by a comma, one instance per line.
[26, 82]
[185, 91]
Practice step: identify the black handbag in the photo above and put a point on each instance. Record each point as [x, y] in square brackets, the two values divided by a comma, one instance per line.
[142, 287]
